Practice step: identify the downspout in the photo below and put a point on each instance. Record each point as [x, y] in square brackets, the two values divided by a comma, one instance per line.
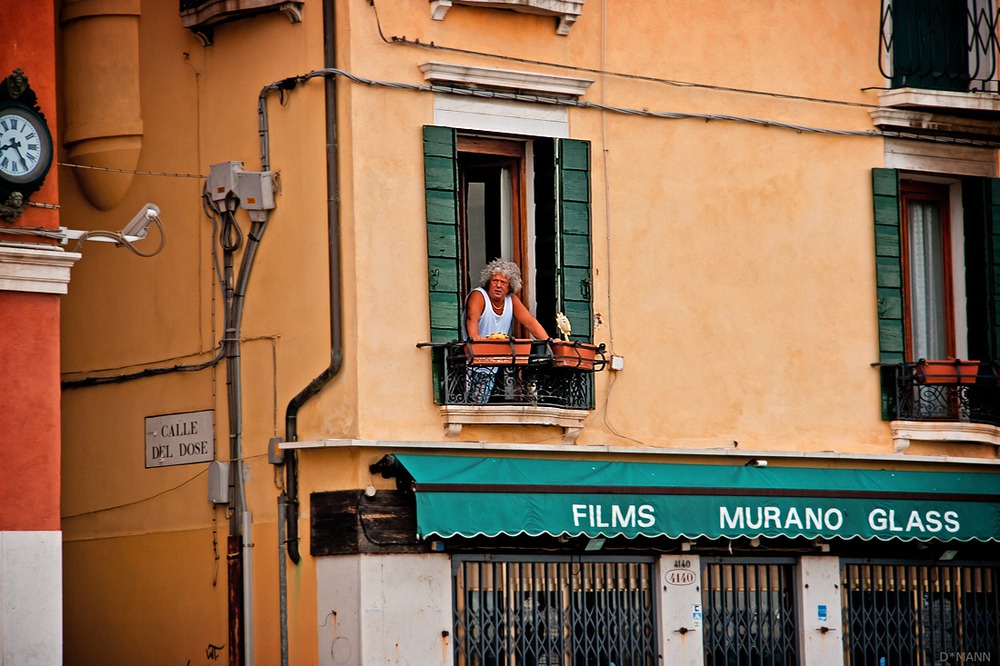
[288, 501]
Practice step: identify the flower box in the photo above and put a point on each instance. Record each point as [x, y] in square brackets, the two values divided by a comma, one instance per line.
[578, 355]
[510, 351]
[947, 372]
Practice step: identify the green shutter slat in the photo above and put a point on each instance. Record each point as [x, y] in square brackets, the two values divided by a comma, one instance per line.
[444, 312]
[575, 155]
[575, 186]
[574, 230]
[885, 182]
[439, 173]
[442, 241]
[441, 277]
[577, 218]
[441, 205]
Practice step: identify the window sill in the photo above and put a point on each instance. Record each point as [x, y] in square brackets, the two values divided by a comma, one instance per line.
[570, 420]
[941, 113]
[567, 11]
[904, 432]
[507, 80]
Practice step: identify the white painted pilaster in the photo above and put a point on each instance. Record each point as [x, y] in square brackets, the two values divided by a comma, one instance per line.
[384, 609]
[31, 599]
[821, 632]
[681, 615]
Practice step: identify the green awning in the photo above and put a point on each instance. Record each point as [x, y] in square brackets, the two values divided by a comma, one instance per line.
[470, 496]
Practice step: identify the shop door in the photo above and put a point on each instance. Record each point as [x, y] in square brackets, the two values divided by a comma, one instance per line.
[749, 611]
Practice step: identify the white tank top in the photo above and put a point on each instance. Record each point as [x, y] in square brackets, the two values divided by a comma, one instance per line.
[490, 321]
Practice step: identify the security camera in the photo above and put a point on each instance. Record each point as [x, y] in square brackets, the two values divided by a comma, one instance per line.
[136, 229]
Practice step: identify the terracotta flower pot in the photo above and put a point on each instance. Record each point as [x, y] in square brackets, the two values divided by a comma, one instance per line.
[947, 372]
[510, 351]
[579, 355]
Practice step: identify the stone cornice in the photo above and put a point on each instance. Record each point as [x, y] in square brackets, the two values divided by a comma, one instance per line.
[508, 80]
[40, 269]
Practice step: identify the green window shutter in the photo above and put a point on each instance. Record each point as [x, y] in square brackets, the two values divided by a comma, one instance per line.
[441, 187]
[889, 282]
[888, 266]
[575, 283]
[993, 269]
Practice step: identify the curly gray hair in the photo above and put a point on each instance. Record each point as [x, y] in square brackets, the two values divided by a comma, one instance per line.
[508, 269]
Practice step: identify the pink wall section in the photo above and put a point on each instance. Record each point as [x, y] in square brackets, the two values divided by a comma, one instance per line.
[29, 414]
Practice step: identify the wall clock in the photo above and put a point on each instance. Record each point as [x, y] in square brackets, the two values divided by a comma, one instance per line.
[25, 145]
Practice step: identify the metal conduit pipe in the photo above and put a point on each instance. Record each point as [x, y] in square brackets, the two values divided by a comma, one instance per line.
[288, 501]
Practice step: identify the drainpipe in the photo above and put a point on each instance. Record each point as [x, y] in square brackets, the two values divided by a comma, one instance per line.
[288, 501]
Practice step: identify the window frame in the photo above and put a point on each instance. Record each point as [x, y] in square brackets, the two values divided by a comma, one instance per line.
[912, 191]
[561, 218]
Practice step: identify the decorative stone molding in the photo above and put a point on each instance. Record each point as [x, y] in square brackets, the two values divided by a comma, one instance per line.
[456, 416]
[507, 80]
[904, 432]
[943, 113]
[566, 11]
[40, 269]
[940, 99]
[201, 18]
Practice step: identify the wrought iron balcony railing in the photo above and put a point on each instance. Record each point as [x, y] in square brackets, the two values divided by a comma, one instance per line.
[950, 391]
[939, 45]
[517, 372]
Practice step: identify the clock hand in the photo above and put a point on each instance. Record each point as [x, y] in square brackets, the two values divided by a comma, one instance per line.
[16, 145]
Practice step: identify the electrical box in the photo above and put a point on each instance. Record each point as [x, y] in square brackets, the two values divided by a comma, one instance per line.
[222, 179]
[275, 455]
[255, 189]
[218, 482]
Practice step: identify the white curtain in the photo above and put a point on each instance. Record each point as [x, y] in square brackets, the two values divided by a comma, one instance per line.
[928, 311]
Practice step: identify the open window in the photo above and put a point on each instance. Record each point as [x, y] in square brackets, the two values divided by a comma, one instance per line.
[519, 198]
[929, 298]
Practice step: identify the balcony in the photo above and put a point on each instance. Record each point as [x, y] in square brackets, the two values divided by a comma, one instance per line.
[939, 45]
[940, 61]
[515, 382]
[943, 401]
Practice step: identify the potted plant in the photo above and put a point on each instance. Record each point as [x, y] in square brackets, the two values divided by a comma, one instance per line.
[567, 354]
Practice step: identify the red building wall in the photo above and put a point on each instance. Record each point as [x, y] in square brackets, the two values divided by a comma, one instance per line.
[29, 322]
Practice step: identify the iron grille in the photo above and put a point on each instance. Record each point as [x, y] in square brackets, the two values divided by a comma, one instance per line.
[534, 377]
[917, 397]
[550, 610]
[920, 614]
[939, 44]
[749, 612]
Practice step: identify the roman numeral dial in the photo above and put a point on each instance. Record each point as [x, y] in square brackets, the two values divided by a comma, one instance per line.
[25, 147]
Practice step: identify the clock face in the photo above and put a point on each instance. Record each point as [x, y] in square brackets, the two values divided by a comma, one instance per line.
[25, 147]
